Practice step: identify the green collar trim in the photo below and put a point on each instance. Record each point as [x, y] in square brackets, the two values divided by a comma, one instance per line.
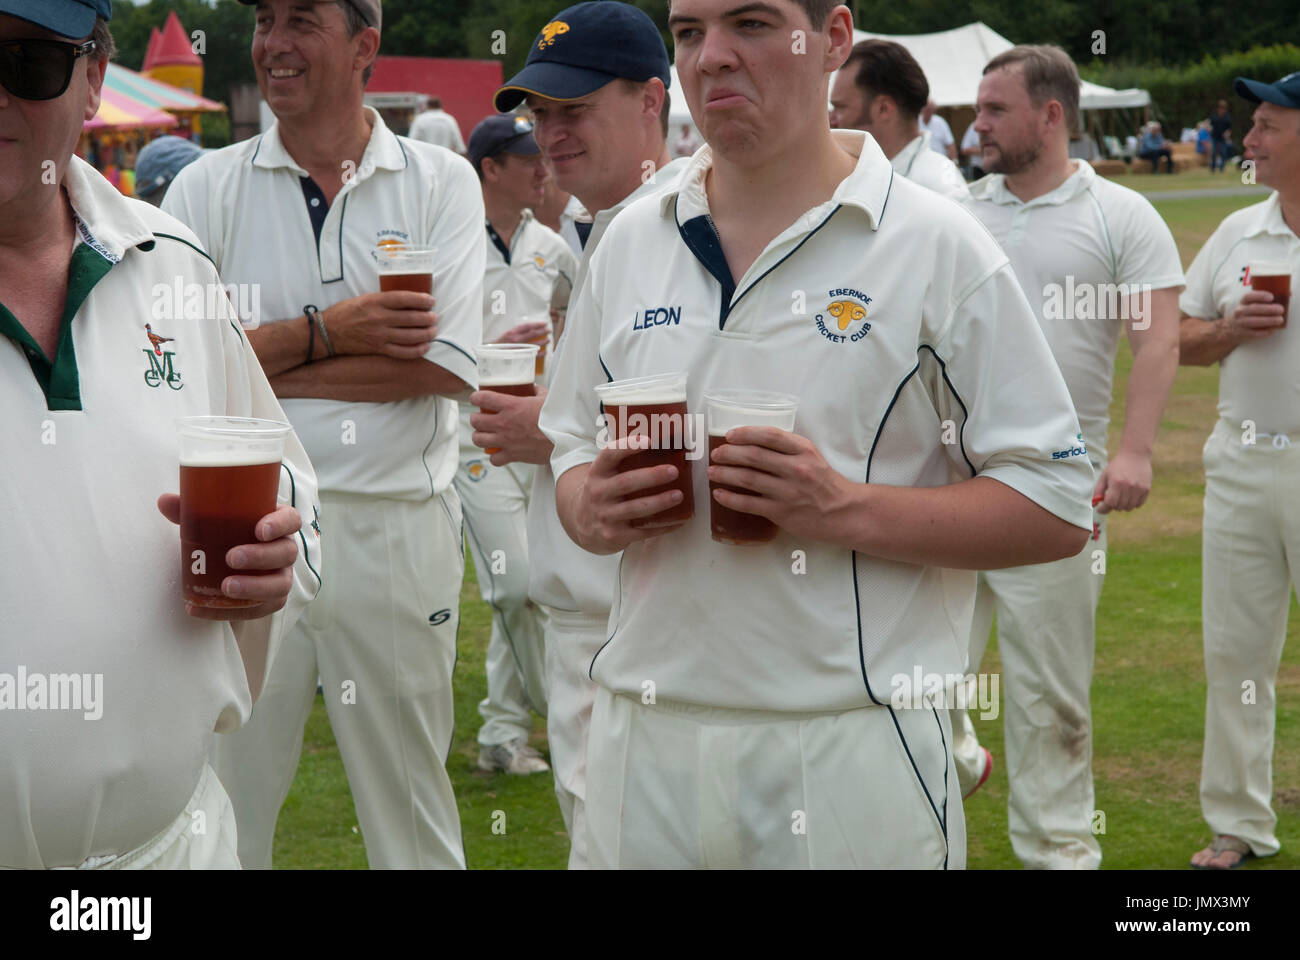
[60, 381]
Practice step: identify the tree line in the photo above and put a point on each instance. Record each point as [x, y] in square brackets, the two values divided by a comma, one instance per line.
[1102, 34]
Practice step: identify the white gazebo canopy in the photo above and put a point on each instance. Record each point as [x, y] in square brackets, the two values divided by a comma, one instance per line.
[953, 61]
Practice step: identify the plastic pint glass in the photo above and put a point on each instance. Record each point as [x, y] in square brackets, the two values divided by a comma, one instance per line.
[507, 368]
[406, 268]
[729, 409]
[1273, 277]
[654, 407]
[230, 475]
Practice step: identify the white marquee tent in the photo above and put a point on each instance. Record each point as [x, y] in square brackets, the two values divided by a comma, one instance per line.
[953, 61]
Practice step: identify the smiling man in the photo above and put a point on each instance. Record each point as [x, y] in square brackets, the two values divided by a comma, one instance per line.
[743, 716]
[90, 560]
[1251, 543]
[595, 83]
[368, 379]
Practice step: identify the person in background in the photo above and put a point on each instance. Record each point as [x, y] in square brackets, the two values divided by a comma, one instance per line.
[438, 127]
[525, 260]
[1250, 546]
[1154, 147]
[1220, 136]
[971, 153]
[1083, 147]
[881, 89]
[941, 138]
[369, 379]
[686, 143]
[158, 164]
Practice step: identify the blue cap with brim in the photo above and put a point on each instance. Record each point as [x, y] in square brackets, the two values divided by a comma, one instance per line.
[160, 161]
[1284, 93]
[501, 133]
[585, 47]
[68, 18]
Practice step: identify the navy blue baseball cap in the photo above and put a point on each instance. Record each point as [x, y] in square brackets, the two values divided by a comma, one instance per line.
[67, 18]
[1285, 93]
[585, 47]
[503, 133]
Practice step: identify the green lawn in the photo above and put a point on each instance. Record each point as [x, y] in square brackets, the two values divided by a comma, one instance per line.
[1148, 693]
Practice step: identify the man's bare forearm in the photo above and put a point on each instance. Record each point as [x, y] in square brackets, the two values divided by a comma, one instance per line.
[367, 379]
[282, 346]
[977, 524]
[1149, 383]
[1203, 342]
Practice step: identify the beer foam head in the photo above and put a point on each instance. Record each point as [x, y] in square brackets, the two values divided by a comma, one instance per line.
[1269, 268]
[227, 458]
[729, 409]
[525, 376]
[506, 363]
[644, 391]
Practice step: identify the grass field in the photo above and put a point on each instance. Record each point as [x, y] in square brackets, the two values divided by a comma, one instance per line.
[1147, 695]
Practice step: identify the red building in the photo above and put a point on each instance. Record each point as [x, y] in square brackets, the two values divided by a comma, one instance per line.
[465, 86]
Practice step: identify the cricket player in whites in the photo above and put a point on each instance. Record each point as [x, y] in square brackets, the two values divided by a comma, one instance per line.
[595, 83]
[368, 379]
[1251, 543]
[882, 89]
[1094, 260]
[120, 680]
[745, 712]
[525, 260]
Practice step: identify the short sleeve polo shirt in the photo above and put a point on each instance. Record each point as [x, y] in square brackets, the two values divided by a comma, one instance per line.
[897, 321]
[1257, 380]
[1079, 252]
[256, 213]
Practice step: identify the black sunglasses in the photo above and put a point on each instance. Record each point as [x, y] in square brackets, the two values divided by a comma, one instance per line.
[39, 69]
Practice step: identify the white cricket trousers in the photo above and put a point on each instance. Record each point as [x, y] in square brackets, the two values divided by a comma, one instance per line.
[572, 640]
[495, 503]
[1250, 561]
[680, 786]
[1047, 617]
[382, 636]
[202, 837]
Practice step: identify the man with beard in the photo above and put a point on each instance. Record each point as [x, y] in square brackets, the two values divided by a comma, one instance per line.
[1093, 258]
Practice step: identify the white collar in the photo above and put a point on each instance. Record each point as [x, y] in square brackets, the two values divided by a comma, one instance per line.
[867, 187]
[383, 150]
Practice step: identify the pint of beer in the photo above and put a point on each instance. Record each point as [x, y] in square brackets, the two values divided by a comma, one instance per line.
[729, 409]
[507, 368]
[230, 474]
[654, 407]
[1273, 277]
[406, 268]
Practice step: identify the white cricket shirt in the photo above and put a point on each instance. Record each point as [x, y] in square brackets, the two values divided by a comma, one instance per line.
[265, 224]
[561, 574]
[520, 279]
[91, 583]
[1072, 249]
[439, 128]
[519, 283]
[897, 321]
[920, 164]
[1257, 380]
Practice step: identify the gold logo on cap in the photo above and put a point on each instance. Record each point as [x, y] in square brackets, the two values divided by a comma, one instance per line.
[550, 32]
